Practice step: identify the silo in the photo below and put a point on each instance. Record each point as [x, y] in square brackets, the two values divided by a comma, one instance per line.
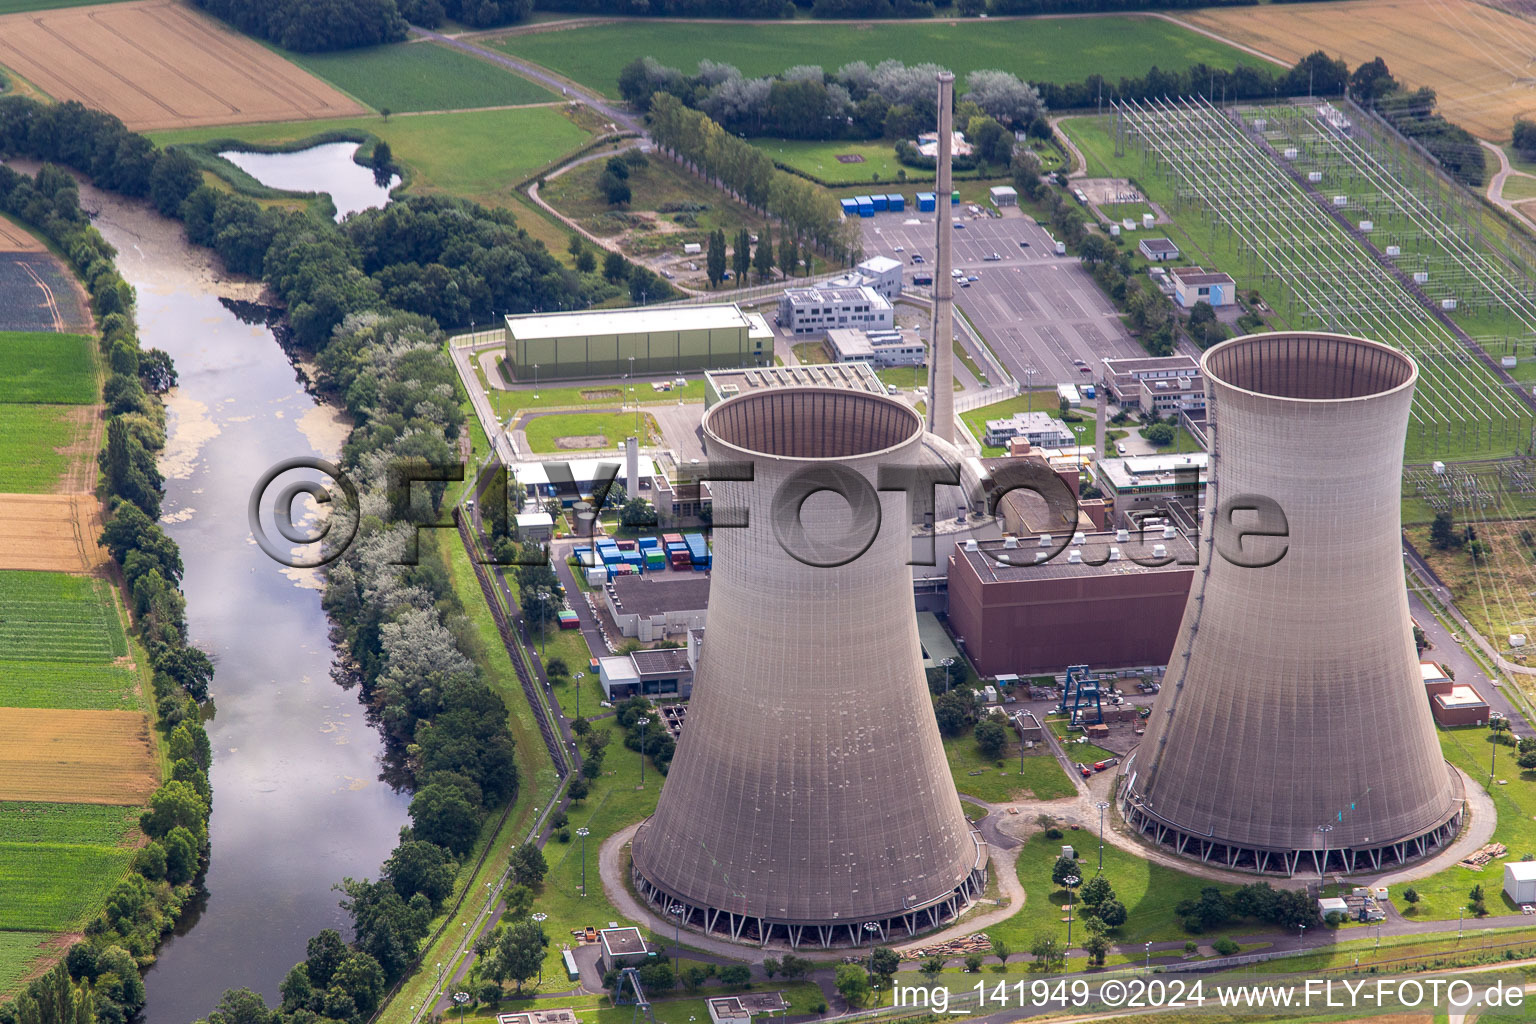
[1292, 731]
[809, 795]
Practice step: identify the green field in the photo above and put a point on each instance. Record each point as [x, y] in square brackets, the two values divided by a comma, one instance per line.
[819, 160]
[52, 684]
[47, 616]
[1036, 49]
[421, 76]
[1043, 779]
[478, 155]
[69, 824]
[54, 887]
[44, 367]
[544, 432]
[18, 950]
[32, 436]
[1033, 401]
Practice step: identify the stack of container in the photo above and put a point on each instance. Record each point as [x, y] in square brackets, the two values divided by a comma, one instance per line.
[698, 551]
[677, 551]
[878, 202]
[650, 550]
[568, 620]
[634, 558]
[850, 207]
[895, 201]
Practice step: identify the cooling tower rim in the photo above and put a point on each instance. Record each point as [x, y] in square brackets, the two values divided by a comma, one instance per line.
[1405, 358]
[919, 427]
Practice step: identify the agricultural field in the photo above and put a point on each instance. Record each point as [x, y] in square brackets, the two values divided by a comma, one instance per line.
[55, 617]
[18, 952]
[423, 75]
[37, 293]
[1036, 49]
[50, 888]
[1471, 54]
[19, 6]
[88, 757]
[15, 238]
[159, 64]
[477, 155]
[42, 444]
[50, 532]
[69, 824]
[45, 367]
[585, 431]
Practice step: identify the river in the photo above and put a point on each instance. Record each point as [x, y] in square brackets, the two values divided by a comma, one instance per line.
[297, 799]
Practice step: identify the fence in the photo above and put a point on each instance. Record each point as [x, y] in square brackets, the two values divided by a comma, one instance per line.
[996, 393]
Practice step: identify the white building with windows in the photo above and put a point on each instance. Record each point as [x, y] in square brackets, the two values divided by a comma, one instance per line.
[1196, 284]
[1040, 429]
[819, 310]
[881, 349]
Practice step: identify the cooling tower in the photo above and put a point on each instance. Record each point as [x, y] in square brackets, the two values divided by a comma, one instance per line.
[1292, 731]
[941, 361]
[809, 795]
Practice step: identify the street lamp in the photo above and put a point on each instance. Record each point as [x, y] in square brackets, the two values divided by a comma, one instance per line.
[947, 662]
[583, 832]
[462, 999]
[1149, 958]
[1324, 829]
[676, 910]
[1103, 806]
[535, 381]
[539, 920]
[1070, 881]
[642, 721]
[579, 677]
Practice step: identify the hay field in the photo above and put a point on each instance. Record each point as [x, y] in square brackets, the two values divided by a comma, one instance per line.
[1481, 62]
[76, 757]
[160, 64]
[51, 532]
[15, 238]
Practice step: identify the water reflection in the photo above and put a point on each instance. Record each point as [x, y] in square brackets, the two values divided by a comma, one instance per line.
[327, 168]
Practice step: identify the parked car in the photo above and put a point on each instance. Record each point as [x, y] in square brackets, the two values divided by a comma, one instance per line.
[917, 257]
[1023, 245]
[992, 257]
[972, 277]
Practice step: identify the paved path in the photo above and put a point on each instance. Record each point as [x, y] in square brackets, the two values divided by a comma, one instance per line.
[1496, 186]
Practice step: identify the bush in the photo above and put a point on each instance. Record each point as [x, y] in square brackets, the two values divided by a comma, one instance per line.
[1225, 946]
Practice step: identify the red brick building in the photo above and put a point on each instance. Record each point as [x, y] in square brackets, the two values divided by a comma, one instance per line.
[1022, 617]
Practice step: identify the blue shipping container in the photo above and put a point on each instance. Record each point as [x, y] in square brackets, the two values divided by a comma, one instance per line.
[896, 201]
[850, 207]
[649, 542]
[878, 201]
[866, 209]
[925, 202]
[698, 550]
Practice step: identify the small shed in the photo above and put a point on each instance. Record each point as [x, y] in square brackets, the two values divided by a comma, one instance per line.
[1332, 905]
[535, 527]
[1520, 881]
[1004, 195]
[622, 947]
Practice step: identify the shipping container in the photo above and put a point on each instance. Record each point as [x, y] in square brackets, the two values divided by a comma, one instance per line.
[568, 620]
[671, 538]
[895, 201]
[925, 202]
[626, 545]
[954, 198]
[647, 543]
[866, 206]
[850, 207]
[878, 202]
[698, 550]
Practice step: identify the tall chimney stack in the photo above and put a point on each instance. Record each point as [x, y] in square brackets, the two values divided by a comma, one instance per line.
[941, 360]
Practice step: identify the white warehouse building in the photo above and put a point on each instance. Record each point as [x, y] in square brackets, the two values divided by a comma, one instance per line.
[818, 310]
[882, 349]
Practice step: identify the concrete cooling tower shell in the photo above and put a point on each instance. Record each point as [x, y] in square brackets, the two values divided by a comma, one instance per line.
[1292, 730]
[809, 795]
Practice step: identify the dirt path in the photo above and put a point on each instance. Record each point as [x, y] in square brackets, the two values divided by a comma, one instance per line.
[1496, 186]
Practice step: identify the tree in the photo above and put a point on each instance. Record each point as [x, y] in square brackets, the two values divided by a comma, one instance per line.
[1000, 949]
[1475, 901]
[1411, 895]
[586, 261]
[954, 711]
[1095, 891]
[1480, 550]
[1097, 947]
[762, 259]
[1210, 910]
[441, 814]
[883, 964]
[852, 984]
[383, 163]
[1527, 760]
[418, 866]
[991, 735]
[770, 966]
[175, 805]
[1160, 434]
[1065, 867]
[528, 866]
[735, 975]
[714, 259]
[932, 968]
[795, 967]
[1095, 250]
[1112, 913]
[615, 267]
[614, 189]
[520, 950]
[741, 256]
[973, 963]
[1442, 532]
[637, 514]
[789, 255]
[1524, 138]
[1046, 951]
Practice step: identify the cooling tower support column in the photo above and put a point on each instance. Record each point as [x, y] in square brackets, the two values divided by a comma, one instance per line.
[941, 359]
[809, 800]
[1292, 732]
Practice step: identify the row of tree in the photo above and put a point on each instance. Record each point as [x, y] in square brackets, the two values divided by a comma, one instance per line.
[1412, 112]
[889, 100]
[1524, 138]
[319, 25]
[809, 213]
[1314, 75]
[100, 978]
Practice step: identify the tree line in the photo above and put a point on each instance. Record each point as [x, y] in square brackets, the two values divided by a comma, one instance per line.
[99, 979]
[409, 642]
[889, 100]
[809, 213]
[1412, 112]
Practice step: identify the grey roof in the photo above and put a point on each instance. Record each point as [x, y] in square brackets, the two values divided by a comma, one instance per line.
[1159, 245]
[1256, 738]
[661, 661]
[778, 801]
[659, 592]
[1147, 364]
[988, 559]
[1199, 276]
[622, 941]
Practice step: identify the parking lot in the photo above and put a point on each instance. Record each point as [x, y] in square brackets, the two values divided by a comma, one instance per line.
[1038, 311]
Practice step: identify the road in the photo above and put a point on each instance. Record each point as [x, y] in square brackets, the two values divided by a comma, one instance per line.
[1496, 186]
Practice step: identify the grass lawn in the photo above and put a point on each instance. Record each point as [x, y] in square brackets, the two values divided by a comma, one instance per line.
[598, 429]
[522, 399]
[420, 76]
[1036, 49]
[1031, 401]
[1148, 890]
[1088, 753]
[478, 155]
[32, 436]
[812, 352]
[818, 160]
[1120, 211]
[979, 776]
[1517, 187]
[74, 824]
[1183, 441]
[658, 185]
[43, 367]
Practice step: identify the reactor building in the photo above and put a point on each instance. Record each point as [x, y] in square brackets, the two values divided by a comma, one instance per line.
[1291, 732]
[809, 800]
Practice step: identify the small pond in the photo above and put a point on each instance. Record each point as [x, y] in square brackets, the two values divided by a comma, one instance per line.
[327, 168]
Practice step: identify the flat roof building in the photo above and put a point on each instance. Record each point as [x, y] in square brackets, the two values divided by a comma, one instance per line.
[573, 480]
[656, 672]
[562, 1015]
[535, 527]
[1196, 284]
[1152, 481]
[740, 1009]
[1040, 429]
[1004, 195]
[1520, 882]
[656, 605]
[818, 310]
[1087, 603]
[883, 349]
[661, 339]
[1158, 250]
[855, 376]
[622, 947]
[1458, 704]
